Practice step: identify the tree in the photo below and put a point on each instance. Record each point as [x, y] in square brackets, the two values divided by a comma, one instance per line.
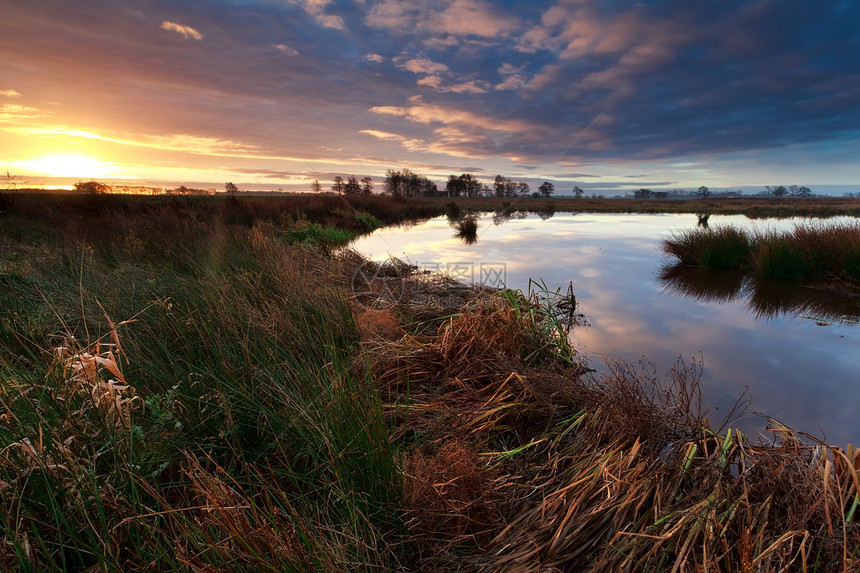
[352, 187]
[642, 194]
[523, 189]
[703, 192]
[464, 185]
[546, 189]
[92, 187]
[316, 187]
[230, 188]
[367, 188]
[778, 191]
[337, 187]
[577, 192]
[499, 186]
[804, 192]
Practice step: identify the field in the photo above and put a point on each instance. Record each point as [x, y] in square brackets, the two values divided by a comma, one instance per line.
[213, 384]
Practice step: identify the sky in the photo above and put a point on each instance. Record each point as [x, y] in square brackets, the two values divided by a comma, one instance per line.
[608, 95]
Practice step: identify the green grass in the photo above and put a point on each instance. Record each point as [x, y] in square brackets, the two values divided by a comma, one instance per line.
[722, 247]
[817, 252]
[246, 393]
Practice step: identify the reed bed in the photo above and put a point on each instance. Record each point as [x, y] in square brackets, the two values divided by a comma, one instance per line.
[187, 393]
[817, 252]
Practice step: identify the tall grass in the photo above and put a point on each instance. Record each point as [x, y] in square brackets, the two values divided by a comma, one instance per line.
[181, 392]
[721, 247]
[820, 252]
[219, 421]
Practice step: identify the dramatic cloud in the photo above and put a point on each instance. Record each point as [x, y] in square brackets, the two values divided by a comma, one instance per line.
[698, 93]
[455, 18]
[186, 31]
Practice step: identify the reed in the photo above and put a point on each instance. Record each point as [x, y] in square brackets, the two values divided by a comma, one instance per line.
[722, 247]
[815, 252]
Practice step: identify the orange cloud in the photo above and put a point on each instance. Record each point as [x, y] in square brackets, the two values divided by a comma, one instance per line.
[316, 8]
[186, 31]
[9, 93]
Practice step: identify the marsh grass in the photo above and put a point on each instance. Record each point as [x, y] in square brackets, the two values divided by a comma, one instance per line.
[466, 230]
[221, 424]
[818, 252]
[183, 393]
[720, 247]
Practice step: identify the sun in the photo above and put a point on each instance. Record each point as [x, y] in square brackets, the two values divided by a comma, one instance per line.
[70, 165]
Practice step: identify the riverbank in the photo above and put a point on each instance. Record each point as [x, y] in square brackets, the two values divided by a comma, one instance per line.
[195, 385]
[335, 210]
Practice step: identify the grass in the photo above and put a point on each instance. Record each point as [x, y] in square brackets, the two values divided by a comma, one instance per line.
[182, 390]
[816, 252]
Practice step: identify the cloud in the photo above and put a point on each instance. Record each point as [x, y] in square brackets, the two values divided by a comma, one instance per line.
[375, 58]
[452, 18]
[9, 93]
[512, 77]
[283, 48]
[423, 66]
[382, 134]
[434, 78]
[186, 31]
[316, 8]
[11, 113]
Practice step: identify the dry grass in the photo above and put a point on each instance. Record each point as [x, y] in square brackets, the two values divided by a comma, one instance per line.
[270, 408]
[516, 466]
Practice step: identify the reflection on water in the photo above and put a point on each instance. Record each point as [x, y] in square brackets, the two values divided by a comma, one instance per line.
[749, 334]
[763, 298]
[467, 230]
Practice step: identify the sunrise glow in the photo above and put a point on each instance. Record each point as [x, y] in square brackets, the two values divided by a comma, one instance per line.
[608, 97]
[70, 165]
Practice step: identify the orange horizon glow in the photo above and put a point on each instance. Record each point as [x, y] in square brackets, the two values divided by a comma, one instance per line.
[71, 165]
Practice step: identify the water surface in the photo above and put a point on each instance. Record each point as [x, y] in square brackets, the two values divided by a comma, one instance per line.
[796, 349]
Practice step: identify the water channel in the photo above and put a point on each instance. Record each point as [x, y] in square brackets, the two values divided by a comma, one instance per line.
[795, 348]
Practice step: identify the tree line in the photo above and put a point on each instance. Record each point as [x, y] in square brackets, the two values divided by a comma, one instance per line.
[405, 183]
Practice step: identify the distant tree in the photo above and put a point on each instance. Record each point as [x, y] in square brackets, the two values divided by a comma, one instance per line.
[546, 189]
[316, 187]
[338, 186]
[230, 188]
[642, 194]
[523, 189]
[804, 192]
[577, 192]
[465, 185]
[703, 192]
[779, 191]
[499, 186]
[407, 184]
[92, 187]
[367, 188]
[352, 187]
